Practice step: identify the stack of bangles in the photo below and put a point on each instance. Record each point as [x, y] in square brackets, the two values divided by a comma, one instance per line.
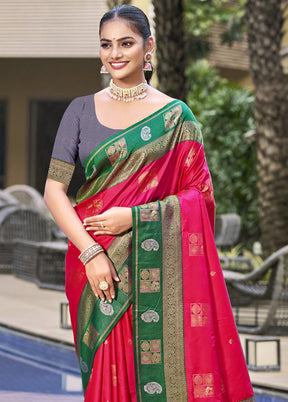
[90, 252]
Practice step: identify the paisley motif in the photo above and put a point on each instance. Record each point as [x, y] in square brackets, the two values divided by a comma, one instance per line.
[153, 388]
[146, 133]
[150, 244]
[106, 308]
[83, 365]
[150, 316]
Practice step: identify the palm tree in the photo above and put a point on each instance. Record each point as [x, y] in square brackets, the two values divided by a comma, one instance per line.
[171, 49]
[264, 25]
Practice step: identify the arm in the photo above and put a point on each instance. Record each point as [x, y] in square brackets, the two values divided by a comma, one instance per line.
[100, 268]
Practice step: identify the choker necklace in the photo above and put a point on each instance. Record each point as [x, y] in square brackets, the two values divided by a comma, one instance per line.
[127, 94]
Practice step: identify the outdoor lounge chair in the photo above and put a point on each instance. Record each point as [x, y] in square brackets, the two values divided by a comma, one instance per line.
[28, 196]
[260, 299]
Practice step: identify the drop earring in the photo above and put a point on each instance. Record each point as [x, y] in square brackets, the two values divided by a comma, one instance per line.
[103, 70]
[147, 62]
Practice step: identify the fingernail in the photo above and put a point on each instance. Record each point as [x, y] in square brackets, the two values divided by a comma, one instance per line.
[118, 279]
[94, 233]
[113, 296]
[96, 296]
[103, 299]
[110, 301]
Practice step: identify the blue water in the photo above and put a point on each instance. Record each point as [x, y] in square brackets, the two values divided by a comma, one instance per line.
[32, 366]
[32, 369]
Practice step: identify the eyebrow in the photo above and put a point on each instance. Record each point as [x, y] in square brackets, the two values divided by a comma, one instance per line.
[118, 40]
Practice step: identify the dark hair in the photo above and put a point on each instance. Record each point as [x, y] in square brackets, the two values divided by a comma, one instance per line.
[136, 18]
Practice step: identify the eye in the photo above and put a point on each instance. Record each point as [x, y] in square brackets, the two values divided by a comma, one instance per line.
[105, 45]
[127, 43]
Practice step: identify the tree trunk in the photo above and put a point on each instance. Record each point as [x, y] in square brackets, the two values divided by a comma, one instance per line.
[171, 49]
[264, 24]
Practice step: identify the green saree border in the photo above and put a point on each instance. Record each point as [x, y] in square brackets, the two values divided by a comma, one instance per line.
[126, 131]
[160, 368]
[96, 319]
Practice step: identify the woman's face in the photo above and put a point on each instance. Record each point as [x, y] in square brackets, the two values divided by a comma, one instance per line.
[122, 52]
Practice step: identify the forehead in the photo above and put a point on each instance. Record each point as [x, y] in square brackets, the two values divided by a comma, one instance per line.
[117, 28]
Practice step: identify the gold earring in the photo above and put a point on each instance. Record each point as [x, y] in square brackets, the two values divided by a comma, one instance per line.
[103, 70]
[147, 62]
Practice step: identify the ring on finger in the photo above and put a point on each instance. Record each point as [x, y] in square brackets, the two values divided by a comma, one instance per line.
[101, 223]
[103, 285]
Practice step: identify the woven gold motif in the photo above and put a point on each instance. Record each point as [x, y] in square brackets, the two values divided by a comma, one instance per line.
[190, 158]
[125, 283]
[150, 280]
[117, 151]
[150, 213]
[114, 375]
[200, 314]
[90, 336]
[191, 132]
[203, 385]
[196, 244]
[150, 351]
[60, 171]
[95, 207]
[148, 180]
[172, 117]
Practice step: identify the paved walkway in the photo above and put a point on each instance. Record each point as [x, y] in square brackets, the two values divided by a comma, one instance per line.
[25, 307]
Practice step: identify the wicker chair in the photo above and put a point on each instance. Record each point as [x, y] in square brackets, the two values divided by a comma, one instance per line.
[20, 224]
[28, 197]
[41, 262]
[260, 299]
[7, 199]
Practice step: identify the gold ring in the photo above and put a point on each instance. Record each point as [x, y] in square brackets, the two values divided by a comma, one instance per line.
[103, 285]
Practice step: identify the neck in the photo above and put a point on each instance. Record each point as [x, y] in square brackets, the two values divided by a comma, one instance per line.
[129, 82]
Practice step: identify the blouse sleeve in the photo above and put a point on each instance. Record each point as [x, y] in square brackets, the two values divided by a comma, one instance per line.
[65, 150]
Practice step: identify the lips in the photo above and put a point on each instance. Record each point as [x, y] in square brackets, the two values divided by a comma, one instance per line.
[117, 65]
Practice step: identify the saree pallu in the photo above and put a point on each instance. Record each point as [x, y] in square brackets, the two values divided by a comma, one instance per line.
[169, 335]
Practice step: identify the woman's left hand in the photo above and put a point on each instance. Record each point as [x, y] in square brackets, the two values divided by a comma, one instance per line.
[114, 221]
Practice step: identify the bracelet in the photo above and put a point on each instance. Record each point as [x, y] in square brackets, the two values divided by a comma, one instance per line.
[90, 252]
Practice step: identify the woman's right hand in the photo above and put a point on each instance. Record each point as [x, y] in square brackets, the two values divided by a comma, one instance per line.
[100, 269]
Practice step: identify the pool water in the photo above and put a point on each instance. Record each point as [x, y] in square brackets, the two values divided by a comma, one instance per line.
[34, 369]
[38, 370]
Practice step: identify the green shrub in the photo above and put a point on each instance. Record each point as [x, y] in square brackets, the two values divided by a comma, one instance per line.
[225, 113]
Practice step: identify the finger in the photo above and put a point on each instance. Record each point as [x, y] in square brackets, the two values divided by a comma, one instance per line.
[103, 232]
[102, 295]
[111, 291]
[93, 287]
[114, 275]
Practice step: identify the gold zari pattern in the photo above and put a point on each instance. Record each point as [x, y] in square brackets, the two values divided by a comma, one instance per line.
[60, 171]
[150, 351]
[200, 314]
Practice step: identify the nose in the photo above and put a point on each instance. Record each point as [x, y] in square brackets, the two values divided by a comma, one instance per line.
[116, 51]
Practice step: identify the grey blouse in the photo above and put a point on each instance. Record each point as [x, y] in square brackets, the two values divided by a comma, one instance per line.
[79, 133]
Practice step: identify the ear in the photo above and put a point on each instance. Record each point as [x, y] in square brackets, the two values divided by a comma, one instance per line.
[150, 45]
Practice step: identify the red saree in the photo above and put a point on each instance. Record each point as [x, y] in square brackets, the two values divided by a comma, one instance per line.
[169, 335]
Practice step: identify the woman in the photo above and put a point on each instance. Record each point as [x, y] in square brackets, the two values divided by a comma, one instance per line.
[148, 303]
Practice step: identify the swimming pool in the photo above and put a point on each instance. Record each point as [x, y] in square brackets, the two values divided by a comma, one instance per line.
[34, 369]
[37, 370]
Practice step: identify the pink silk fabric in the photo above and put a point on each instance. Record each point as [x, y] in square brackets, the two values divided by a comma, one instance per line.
[211, 347]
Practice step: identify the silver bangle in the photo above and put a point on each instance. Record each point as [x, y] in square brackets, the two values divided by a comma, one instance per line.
[90, 252]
